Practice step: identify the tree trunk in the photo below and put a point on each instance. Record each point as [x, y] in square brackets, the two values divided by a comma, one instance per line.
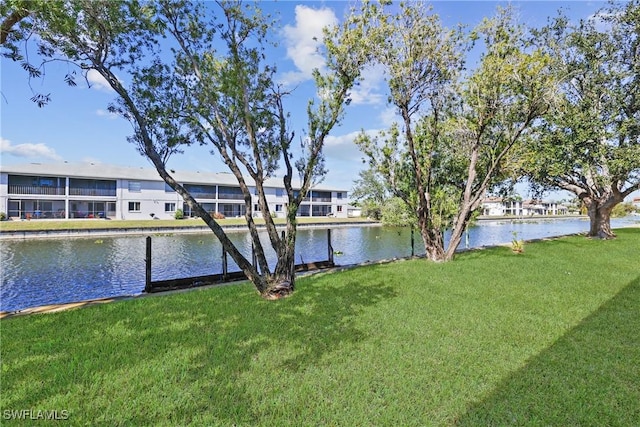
[454, 240]
[600, 221]
[433, 241]
[460, 225]
[599, 211]
[282, 282]
[279, 286]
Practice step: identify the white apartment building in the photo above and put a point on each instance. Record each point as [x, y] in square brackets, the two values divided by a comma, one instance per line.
[94, 190]
[497, 206]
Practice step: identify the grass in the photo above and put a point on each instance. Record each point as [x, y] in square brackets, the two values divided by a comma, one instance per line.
[52, 225]
[549, 337]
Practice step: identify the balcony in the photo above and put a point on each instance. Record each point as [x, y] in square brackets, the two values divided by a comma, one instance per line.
[98, 192]
[232, 196]
[35, 190]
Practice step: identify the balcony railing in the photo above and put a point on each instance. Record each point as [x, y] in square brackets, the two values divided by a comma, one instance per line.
[34, 189]
[201, 195]
[233, 196]
[92, 192]
[322, 199]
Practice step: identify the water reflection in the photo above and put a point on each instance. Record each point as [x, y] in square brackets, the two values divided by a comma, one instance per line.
[56, 271]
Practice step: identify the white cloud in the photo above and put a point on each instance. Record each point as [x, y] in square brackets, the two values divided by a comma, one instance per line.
[28, 150]
[367, 90]
[344, 148]
[303, 39]
[96, 81]
[107, 114]
[389, 116]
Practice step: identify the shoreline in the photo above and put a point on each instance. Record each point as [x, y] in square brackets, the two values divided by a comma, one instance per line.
[141, 231]
[529, 218]
[81, 232]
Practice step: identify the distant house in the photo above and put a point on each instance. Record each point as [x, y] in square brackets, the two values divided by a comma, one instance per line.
[499, 206]
[636, 202]
[354, 211]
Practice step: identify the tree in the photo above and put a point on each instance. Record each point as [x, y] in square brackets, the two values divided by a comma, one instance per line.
[13, 14]
[395, 212]
[213, 87]
[590, 142]
[456, 134]
[18, 24]
[370, 192]
[624, 209]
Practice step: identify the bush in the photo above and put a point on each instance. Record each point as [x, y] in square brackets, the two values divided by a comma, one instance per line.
[517, 245]
[179, 214]
[371, 209]
[623, 209]
[395, 212]
[3, 216]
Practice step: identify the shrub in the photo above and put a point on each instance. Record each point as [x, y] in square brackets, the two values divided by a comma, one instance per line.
[179, 214]
[3, 216]
[395, 212]
[623, 209]
[517, 245]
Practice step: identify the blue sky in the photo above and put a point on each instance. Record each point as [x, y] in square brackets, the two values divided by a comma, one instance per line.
[76, 126]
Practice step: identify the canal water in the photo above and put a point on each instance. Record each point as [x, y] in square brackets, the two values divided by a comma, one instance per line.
[51, 271]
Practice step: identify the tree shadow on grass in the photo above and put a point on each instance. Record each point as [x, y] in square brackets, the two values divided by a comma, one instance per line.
[183, 358]
[590, 376]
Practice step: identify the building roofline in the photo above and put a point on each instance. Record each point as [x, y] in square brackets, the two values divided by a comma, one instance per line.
[96, 170]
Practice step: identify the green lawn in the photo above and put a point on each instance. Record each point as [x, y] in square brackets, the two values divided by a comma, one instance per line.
[83, 224]
[547, 338]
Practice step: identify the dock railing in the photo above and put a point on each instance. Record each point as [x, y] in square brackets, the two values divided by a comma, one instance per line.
[225, 276]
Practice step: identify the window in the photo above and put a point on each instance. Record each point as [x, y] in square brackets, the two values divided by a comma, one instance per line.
[279, 192]
[230, 193]
[167, 188]
[201, 191]
[339, 208]
[134, 206]
[339, 196]
[278, 208]
[169, 207]
[134, 187]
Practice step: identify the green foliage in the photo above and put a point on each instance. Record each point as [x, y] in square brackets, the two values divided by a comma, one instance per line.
[179, 214]
[370, 193]
[369, 186]
[3, 216]
[590, 140]
[395, 212]
[371, 209]
[459, 131]
[624, 209]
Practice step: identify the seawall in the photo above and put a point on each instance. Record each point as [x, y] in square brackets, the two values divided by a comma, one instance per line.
[143, 231]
